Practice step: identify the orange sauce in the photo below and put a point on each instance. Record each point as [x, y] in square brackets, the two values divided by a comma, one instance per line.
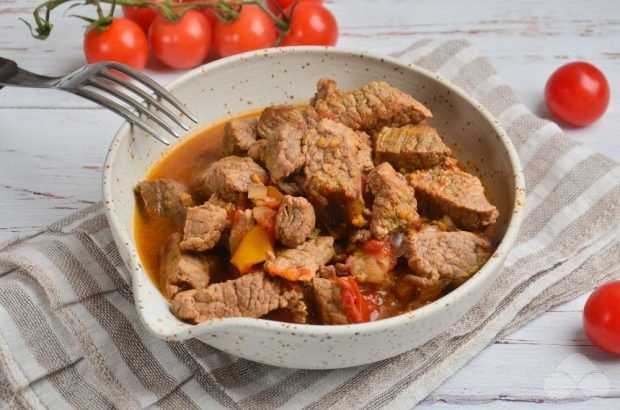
[191, 157]
[180, 164]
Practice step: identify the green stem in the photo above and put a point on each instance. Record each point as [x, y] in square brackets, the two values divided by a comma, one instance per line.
[281, 25]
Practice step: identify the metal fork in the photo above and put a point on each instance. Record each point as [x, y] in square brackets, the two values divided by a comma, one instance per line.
[90, 77]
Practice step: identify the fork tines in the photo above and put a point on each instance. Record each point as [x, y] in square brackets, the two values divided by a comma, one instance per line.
[103, 72]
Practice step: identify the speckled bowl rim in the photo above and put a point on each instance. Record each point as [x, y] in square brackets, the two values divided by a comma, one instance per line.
[184, 331]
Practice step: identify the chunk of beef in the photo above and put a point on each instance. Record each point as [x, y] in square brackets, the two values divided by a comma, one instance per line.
[328, 272]
[239, 136]
[374, 105]
[179, 271]
[364, 153]
[203, 227]
[283, 127]
[217, 201]
[342, 269]
[303, 261]
[411, 147]
[454, 193]
[242, 223]
[228, 177]
[252, 295]
[333, 174]
[295, 220]
[394, 208]
[455, 256]
[359, 235]
[163, 197]
[257, 151]
[328, 302]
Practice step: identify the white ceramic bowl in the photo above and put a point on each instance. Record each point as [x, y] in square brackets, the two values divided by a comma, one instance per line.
[258, 79]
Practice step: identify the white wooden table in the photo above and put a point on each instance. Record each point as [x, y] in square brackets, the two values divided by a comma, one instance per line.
[52, 146]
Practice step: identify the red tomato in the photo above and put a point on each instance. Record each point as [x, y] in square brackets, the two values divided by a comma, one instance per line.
[210, 15]
[577, 93]
[311, 24]
[207, 12]
[377, 246]
[143, 16]
[266, 219]
[273, 4]
[122, 41]
[181, 44]
[601, 317]
[358, 308]
[382, 250]
[252, 30]
[370, 305]
[285, 3]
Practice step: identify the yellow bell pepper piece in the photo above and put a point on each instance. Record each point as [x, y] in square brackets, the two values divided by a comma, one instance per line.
[253, 249]
[274, 193]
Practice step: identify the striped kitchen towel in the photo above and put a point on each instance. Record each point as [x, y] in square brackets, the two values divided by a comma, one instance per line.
[70, 336]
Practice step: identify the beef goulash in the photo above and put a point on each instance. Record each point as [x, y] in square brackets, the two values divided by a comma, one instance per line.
[347, 210]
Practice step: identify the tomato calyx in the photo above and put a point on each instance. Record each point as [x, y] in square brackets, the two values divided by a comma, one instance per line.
[283, 24]
[101, 23]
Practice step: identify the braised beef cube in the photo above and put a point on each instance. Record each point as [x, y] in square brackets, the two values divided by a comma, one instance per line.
[179, 272]
[435, 255]
[163, 197]
[456, 194]
[217, 201]
[359, 236]
[303, 261]
[295, 220]
[410, 147]
[298, 310]
[328, 272]
[203, 227]
[239, 136]
[365, 151]
[328, 302]
[242, 223]
[370, 107]
[253, 295]
[228, 177]
[333, 175]
[283, 127]
[394, 208]
[257, 151]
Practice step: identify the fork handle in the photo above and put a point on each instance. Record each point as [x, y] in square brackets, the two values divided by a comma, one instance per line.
[8, 69]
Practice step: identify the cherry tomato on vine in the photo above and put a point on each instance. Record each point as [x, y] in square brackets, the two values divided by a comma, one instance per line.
[122, 41]
[143, 16]
[577, 93]
[601, 317]
[252, 30]
[181, 44]
[311, 24]
[207, 12]
[210, 14]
